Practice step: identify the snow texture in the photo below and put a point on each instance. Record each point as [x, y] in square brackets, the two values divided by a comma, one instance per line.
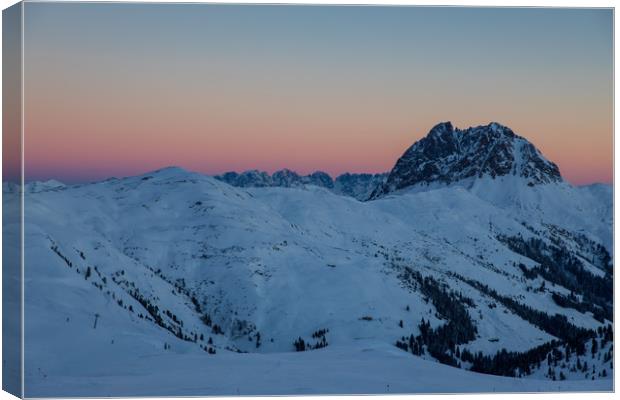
[132, 284]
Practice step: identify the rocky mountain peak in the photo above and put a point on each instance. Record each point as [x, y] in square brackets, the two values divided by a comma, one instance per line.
[448, 154]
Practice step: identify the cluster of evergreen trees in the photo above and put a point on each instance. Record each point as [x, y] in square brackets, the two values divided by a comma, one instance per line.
[180, 288]
[559, 266]
[173, 317]
[87, 273]
[153, 310]
[215, 328]
[509, 363]
[196, 304]
[443, 342]
[440, 342]
[62, 256]
[319, 335]
[300, 344]
[606, 333]
[571, 301]
[573, 338]
[556, 325]
[598, 254]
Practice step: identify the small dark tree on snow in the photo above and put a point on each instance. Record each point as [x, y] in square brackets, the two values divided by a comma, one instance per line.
[299, 344]
[206, 319]
[88, 273]
[400, 323]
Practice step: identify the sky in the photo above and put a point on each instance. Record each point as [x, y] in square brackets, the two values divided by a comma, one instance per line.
[123, 89]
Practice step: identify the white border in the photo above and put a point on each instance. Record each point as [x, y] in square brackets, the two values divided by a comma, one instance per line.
[480, 3]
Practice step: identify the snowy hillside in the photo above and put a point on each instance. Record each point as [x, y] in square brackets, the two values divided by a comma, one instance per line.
[487, 281]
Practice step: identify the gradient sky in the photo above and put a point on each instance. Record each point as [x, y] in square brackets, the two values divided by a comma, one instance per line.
[121, 89]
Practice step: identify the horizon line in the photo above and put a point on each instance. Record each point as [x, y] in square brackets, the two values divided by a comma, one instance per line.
[86, 181]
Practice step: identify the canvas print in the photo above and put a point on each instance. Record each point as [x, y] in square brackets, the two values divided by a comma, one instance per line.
[234, 200]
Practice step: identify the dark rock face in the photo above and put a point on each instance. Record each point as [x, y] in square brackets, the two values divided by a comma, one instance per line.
[320, 178]
[285, 178]
[449, 154]
[359, 186]
[251, 178]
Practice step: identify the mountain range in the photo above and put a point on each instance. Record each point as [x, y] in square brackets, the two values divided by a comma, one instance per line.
[471, 266]
[356, 185]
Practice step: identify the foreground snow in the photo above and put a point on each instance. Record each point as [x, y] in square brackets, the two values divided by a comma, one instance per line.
[363, 368]
[278, 264]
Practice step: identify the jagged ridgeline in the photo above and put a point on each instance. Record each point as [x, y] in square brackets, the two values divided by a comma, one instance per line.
[472, 252]
[449, 154]
[358, 186]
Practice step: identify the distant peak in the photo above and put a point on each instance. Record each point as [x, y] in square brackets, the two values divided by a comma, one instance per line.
[54, 182]
[39, 186]
[167, 173]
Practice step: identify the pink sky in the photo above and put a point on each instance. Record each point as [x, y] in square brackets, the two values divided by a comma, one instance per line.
[214, 89]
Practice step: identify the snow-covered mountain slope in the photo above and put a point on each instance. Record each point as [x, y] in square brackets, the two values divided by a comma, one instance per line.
[37, 186]
[129, 276]
[358, 186]
[506, 170]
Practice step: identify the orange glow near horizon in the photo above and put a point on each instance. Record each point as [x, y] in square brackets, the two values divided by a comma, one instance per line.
[215, 89]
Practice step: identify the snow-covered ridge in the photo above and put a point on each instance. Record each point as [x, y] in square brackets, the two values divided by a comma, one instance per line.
[33, 187]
